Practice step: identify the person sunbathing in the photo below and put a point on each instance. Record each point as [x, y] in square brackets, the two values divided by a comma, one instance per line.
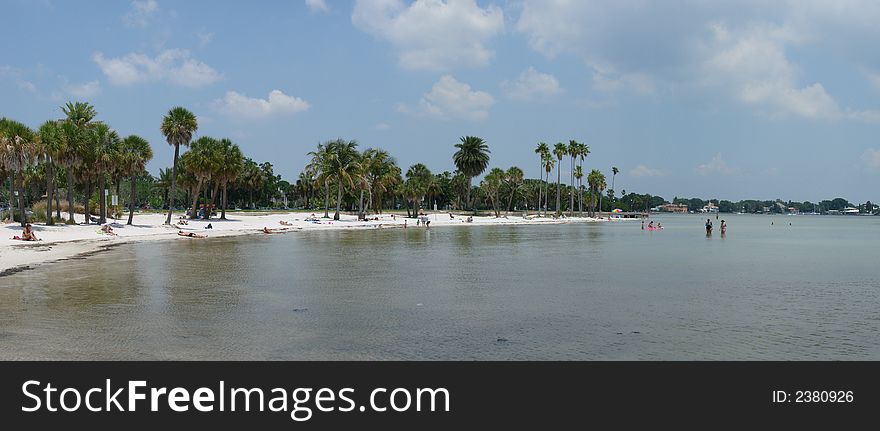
[107, 230]
[267, 230]
[190, 234]
[27, 234]
[285, 223]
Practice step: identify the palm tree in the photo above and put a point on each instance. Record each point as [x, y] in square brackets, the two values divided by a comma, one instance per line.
[342, 168]
[614, 172]
[134, 153]
[78, 121]
[460, 187]
[574, 151]
[583, 152]
[513, 178]
[52, 146]
[549, 163]
[579, 175]
[381, 173]
[491, 185]
[178, 127]
[104, 143]
[542, 150]
[320, 165]
[19, 149]
[596, 180]
[471, 159]
[559, 150]
[232, 168]
[201, 165]
[163, 183]
[419, 179]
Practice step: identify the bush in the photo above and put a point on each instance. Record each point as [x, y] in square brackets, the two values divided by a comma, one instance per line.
[39, 212]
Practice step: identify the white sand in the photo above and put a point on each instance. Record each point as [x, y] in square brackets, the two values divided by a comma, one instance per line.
[63, 241]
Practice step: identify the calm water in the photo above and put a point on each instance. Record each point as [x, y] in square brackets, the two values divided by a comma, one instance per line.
[598, 291]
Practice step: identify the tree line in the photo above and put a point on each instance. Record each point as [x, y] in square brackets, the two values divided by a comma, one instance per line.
[68, 163]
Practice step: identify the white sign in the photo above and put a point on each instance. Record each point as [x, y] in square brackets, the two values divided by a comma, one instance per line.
[115, 200]
[106, 192]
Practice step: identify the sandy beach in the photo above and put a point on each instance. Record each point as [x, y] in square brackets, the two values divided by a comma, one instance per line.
[65, 241]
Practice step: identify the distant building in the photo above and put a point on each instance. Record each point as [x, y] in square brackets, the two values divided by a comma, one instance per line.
[709, 208]
[674, 208]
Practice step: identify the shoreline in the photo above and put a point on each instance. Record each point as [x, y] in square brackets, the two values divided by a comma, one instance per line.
[62, 242]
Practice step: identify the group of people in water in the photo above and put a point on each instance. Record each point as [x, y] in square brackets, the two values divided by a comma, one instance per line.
[709, 227]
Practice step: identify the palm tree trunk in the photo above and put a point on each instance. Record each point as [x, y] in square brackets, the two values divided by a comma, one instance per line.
[361, 214]
[132, 201]
[338, 201]
[70, 204]
[213, 200]
[57, 205]
[558, 186]
[173, 183]
[571, 188]
[88, 194]
[194, 214]
[223, 211]
[540, 187]
[119, 201]
[12, 195]
[21, 213]
[612, 188]
[581, 197]
[102, 200]
[546, 193]
[326, 199]
[468, 202]
[50, 192]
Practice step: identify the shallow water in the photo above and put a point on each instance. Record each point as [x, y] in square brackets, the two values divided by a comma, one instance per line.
[571, 292]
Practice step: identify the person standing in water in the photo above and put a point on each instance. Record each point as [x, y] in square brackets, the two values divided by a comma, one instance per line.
[723, 228]
[708, 227]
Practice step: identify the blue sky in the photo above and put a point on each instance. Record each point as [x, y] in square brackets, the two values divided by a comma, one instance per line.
[690, 98]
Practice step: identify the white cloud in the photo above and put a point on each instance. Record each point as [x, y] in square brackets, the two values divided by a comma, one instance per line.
[84, 90]
[239, 105]
[26, 85]
[174, 65]
[606, 79]
[642, 171]
[450, 99]
[716, 166]
[140, 13]
[532, 85]
[753, 65]
[874, 79]
[435, 35]
[382, 126]
[204, 38]
[317, 6]
[871, 159]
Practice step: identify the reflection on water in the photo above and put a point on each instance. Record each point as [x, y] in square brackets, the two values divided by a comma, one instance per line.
[602, 291]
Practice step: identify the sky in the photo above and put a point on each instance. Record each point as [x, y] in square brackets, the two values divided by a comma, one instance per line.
[688, 98]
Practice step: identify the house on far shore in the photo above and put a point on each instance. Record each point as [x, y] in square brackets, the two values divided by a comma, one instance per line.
[674, 208]
[709, 208]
